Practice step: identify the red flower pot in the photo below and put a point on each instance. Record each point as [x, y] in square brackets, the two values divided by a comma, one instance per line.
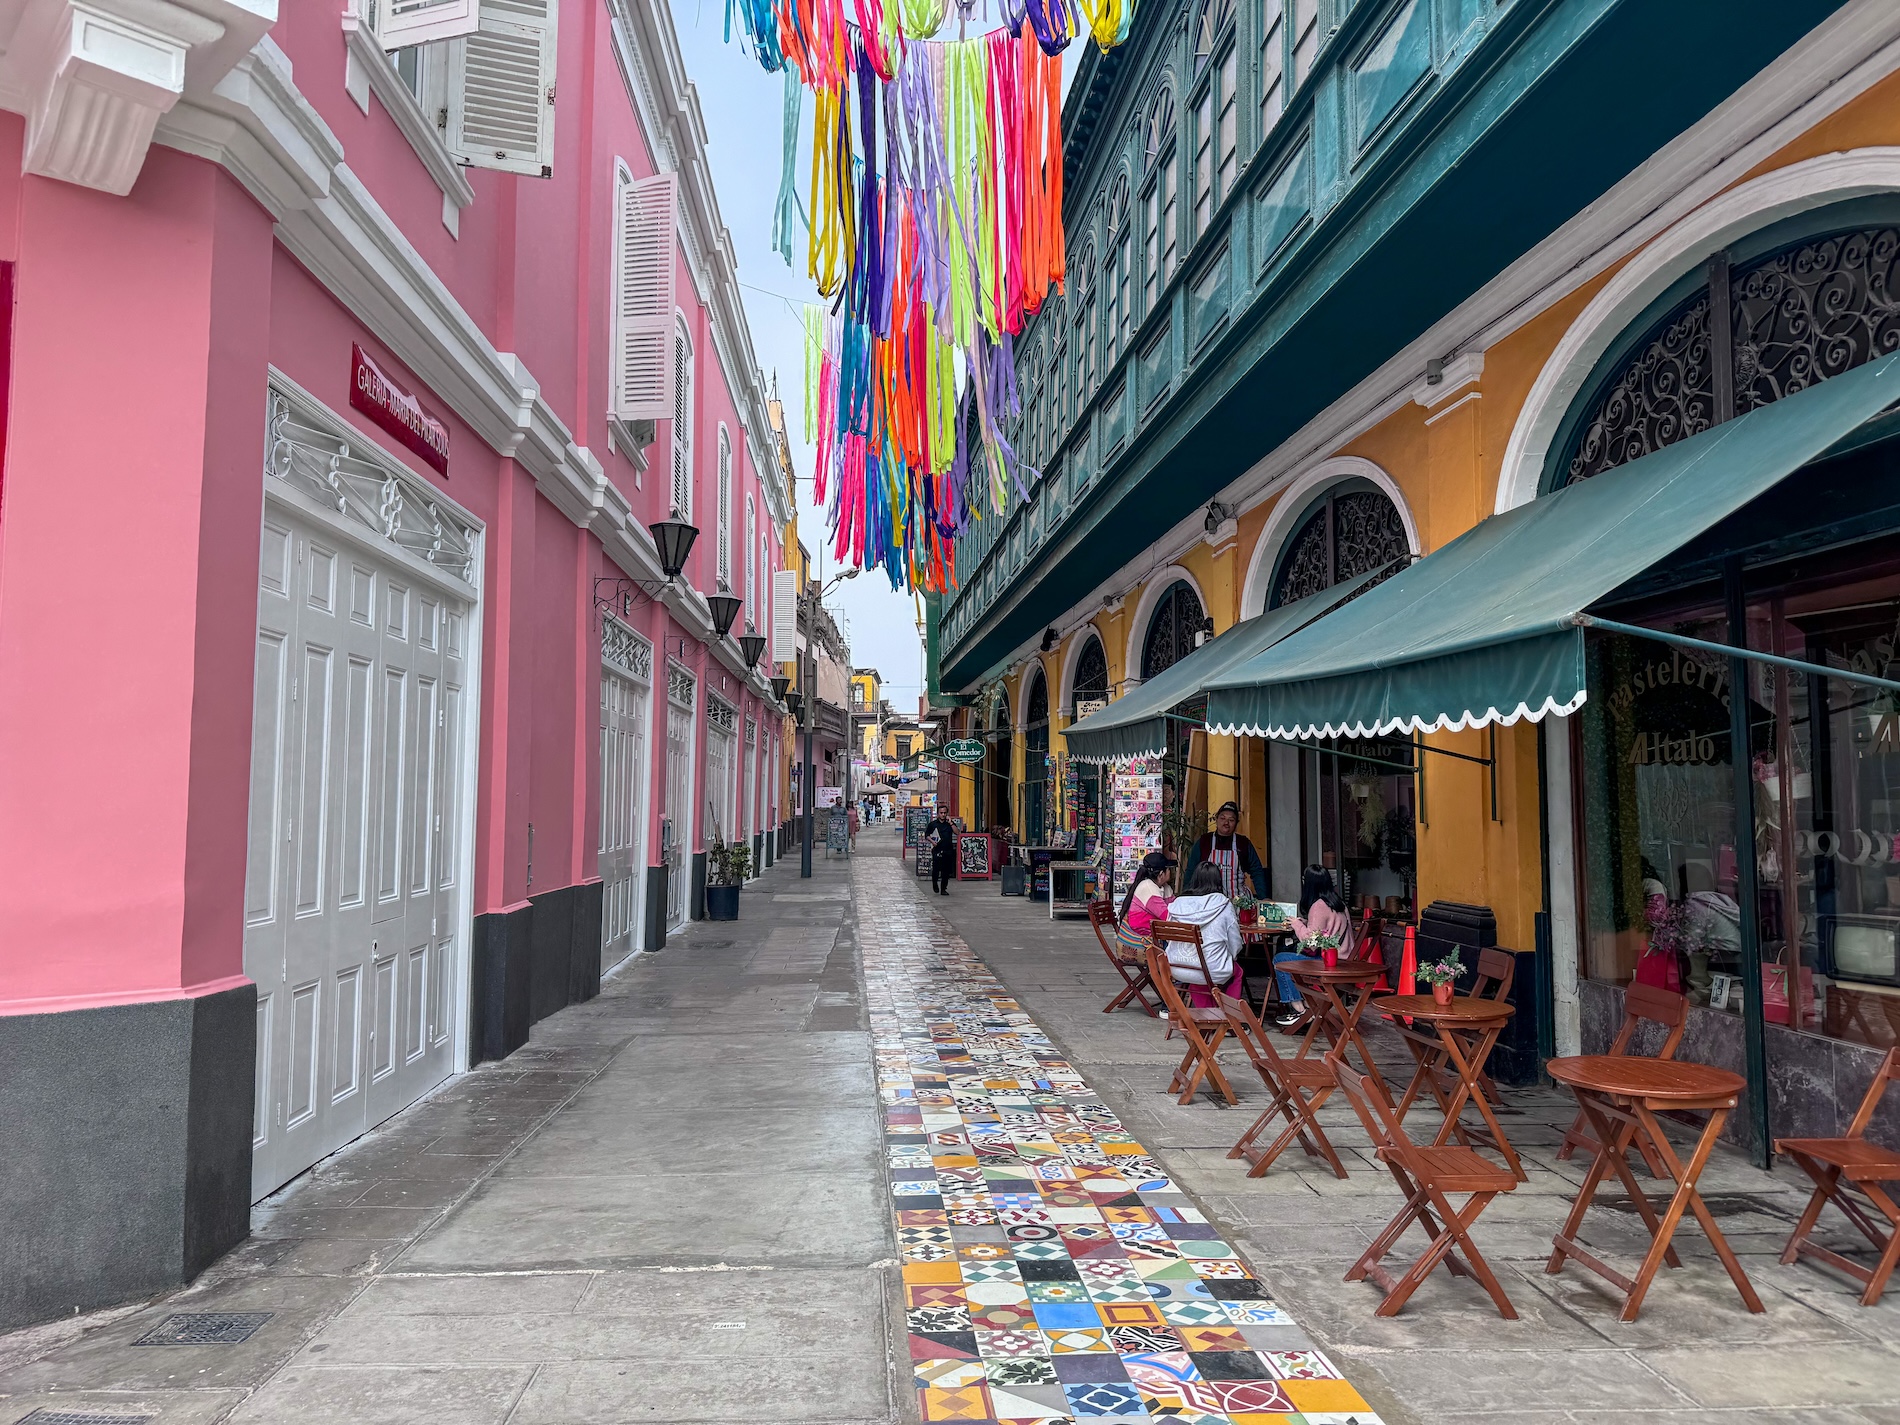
[1247, 917]
[1329, 956]
[1442, 992]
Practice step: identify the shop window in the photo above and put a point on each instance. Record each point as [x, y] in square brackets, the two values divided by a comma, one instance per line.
[1798, 315]
[1038, 812]
[1352, 530]
[1664, 871]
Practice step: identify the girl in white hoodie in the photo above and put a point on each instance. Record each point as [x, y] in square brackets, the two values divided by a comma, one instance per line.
[1205, 904]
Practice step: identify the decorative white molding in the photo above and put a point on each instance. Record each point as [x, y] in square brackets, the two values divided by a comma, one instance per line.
[1458, 373]
[721, 714]
[625, 651]
[680, 685]
[1777, 194]
[93, 77]
[313, 451]
[366, 71]
[1439, 414]
[1293, 502]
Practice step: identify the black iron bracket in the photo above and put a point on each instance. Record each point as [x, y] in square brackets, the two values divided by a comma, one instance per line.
[620, 591]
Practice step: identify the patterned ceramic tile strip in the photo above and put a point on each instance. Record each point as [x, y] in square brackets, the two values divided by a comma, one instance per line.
[1052, 1272]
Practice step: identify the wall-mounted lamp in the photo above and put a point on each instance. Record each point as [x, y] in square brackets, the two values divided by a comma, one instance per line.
[1217, 515]
[1048, 639]
[779, 685]
[672, 541]
[753, 646]
[795, 705]
[724, 609]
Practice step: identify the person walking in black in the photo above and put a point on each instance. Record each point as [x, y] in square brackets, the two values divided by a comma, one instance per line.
[943, 863]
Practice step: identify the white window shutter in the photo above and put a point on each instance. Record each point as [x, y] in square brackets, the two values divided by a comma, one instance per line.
[785, 616]
[644, 222]
[682, 426]
[725, 509]
[751, 565]
[501, 89]
[401, 23]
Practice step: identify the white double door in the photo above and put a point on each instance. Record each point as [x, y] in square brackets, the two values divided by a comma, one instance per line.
[351, 895]
[623, 762]
[678, 825]
[719, 776]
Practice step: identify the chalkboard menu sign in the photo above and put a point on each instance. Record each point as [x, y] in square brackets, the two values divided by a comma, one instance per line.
[973, 856]
[837, 831]
[915, 820]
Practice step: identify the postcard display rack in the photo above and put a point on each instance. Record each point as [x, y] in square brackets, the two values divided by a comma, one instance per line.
[1137, 810]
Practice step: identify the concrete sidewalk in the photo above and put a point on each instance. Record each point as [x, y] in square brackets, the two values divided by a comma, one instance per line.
[669, 1207]
[1695, 1356]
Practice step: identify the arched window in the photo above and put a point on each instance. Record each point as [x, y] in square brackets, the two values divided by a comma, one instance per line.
[1216, 76]
[1172, 628]
[1091, 674]
[682, 424]
[725, 508]
[1160, 196]
[1353, 529]
[1085, 372]
[1117, 266]
[1795, 316]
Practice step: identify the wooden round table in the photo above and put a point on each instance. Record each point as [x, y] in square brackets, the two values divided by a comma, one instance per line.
[1461, 1036]
[1330, 990]
[1621, 1096]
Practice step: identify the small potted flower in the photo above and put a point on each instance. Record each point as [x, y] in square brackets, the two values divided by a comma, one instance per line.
[1246, 908]
[1442, 976]
[1324, 948]
[727, 867]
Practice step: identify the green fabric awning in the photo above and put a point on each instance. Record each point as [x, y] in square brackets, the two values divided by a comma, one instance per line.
[1487, 629]
[1136, 724]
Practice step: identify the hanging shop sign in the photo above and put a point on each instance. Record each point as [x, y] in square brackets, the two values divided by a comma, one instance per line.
[966, 750]
[397, 412]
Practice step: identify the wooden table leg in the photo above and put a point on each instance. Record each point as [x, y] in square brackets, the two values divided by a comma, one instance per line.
[1620, 1166]
[1469, 1088]
[1686, 1196]
[1349, 1030]
[1609, 1141]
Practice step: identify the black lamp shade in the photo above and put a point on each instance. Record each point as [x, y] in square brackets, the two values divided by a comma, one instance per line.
[779, 685]
[795, 703]
[674, 540]
[724, 609]
[752, 645]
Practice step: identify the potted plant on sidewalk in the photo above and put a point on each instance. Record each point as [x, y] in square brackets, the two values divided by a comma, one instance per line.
[727, 867]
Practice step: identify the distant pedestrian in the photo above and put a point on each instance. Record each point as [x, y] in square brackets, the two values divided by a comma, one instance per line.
[943, 862]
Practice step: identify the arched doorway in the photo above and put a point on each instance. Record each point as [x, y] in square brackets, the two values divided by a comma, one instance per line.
[1089, 693]
[1353, 801]
[997, 776]
[1175, 629]
[1036, 817]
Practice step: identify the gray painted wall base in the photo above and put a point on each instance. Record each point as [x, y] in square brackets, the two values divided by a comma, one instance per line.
[127, 1160]
[656, 910]
[530, 962]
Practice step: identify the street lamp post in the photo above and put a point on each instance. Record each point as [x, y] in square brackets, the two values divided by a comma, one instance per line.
[810, 713]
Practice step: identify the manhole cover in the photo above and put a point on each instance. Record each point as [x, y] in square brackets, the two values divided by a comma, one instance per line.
[76, 1417]
[204, 1328]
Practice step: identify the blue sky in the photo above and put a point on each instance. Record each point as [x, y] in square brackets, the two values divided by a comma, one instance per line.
[744, 108]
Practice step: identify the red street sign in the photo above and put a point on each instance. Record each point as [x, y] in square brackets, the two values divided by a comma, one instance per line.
[396, 411]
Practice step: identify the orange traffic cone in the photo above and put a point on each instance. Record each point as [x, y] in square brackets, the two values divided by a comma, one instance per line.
[1408, 964]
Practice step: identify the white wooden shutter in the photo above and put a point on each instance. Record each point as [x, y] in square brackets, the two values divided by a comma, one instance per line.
[785, 616]
[501, 89]
[682, 426]
[725, 509]
[644, 222]
[751, 565]
[401, 23]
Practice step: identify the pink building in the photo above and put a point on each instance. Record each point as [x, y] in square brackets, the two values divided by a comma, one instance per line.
[347, 373]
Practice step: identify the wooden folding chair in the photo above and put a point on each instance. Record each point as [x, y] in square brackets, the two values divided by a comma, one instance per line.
[1203, 1028]
[1134, 972]
[1425, 1175]
[1640, 1002]
[1838, 1164]
[1297, 1088]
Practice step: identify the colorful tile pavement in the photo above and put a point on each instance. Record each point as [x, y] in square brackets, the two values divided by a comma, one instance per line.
[1052, 1272]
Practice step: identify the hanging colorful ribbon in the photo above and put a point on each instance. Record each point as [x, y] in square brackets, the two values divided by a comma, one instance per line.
[935, 229]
